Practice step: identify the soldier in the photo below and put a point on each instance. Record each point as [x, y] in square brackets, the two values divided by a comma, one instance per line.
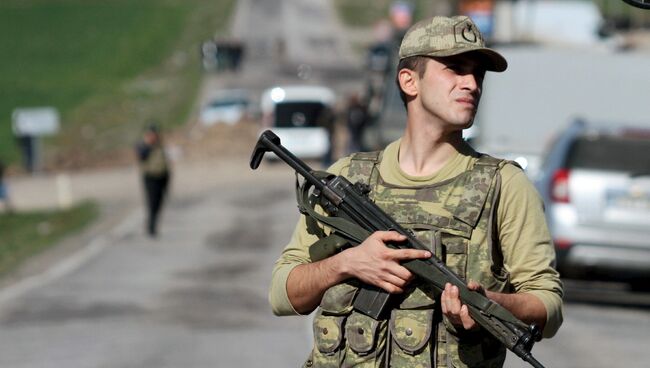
[155, 174]
[479, 214]
[4, 192]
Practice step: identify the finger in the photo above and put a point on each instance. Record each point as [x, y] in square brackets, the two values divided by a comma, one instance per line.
[401, 272]
[453, 302]
[388, 236]
[396, 281]
[405, 254]
[467, 320]
[390, 288]
[446, 300]
[473, 285]
[443, 299]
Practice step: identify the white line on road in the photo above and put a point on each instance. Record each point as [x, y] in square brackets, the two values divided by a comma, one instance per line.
[72, 262]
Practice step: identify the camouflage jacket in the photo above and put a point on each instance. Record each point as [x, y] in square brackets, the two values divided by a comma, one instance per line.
[153, 160]
[456, 218]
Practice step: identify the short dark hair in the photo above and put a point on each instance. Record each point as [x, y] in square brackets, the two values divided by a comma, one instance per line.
[416, 63]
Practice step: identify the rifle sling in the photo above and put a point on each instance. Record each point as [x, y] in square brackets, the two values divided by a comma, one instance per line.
[346, 229]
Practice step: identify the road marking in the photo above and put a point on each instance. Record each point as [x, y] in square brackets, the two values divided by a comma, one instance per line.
[72, 262]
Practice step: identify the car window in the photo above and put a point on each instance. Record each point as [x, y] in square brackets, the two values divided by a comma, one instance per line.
[626, 154]
[232, 102]
[298, 114]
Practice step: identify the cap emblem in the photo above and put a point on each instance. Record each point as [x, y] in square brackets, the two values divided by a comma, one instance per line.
[466, 32]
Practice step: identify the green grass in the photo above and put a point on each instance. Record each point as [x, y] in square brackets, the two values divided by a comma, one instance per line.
[27, 233]
[108, 66]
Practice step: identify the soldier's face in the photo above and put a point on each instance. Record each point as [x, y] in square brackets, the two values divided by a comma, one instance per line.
[450, 90]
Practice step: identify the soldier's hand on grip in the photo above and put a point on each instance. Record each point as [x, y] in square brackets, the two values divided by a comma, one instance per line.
[456, 312]
[374, 263]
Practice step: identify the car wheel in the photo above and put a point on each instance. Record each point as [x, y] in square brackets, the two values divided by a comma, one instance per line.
[639, 285]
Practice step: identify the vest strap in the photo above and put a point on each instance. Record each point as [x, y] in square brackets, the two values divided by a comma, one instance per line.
[363, 167]
[476, 184]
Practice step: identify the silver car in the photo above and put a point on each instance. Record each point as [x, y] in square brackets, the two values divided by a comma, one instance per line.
[596, 187]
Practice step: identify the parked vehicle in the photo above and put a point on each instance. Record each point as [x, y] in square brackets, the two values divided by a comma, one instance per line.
[596, 187]
[301, 116]
[227, 107]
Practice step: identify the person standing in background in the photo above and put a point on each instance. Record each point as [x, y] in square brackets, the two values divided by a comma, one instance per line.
[327, 119]
[4, 195]
[155, 171]
[357, 118]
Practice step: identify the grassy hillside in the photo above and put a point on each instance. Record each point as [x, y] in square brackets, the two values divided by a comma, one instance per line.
[108, 66]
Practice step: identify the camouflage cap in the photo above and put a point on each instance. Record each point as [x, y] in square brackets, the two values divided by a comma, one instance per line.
[442, 36]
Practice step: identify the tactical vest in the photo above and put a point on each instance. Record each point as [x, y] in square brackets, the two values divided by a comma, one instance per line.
[156, 163]
[456, 219]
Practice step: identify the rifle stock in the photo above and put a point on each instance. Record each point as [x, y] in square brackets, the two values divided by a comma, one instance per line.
[352, 203]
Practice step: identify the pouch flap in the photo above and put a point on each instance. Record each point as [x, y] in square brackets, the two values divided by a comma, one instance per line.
[328, 332]
[338, 299]
[361, 332]
[411, 328]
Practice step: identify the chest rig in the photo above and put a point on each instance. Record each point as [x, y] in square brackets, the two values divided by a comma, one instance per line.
[455, 218]
[156, 162]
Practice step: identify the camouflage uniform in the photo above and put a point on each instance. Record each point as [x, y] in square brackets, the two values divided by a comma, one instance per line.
[455, 219]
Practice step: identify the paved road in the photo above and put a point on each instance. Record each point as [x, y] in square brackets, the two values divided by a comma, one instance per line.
[604, 326]
[195, 297]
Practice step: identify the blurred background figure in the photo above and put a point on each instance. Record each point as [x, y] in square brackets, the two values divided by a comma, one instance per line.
[155, 171]
[327, 119]
[356, 119]
[5, 203]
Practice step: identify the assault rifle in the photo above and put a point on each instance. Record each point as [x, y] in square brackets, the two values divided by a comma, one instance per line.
[348, 203]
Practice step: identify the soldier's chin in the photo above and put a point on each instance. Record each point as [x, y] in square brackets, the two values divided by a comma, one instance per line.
[468, 124]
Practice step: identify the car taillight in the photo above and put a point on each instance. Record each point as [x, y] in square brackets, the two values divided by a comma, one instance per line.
[560, 186]
[562, 244]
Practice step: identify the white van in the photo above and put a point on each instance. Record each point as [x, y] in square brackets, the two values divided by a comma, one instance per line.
[299, 116]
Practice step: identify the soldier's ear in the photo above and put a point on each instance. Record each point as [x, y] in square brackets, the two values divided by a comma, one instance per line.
[408, 81]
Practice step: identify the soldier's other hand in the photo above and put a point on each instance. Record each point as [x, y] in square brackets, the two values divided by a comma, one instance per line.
[374, 263]
[456, 312]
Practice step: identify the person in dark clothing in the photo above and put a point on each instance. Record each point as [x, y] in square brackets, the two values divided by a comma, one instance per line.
[327, 119]
[357, 119]
[4, 195]
[155, 174]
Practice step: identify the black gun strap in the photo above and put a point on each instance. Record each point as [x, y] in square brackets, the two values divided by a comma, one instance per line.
[326, 246]
[344, 228]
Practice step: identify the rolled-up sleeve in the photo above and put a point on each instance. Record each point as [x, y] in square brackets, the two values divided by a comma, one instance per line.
[528, 251]
[294, 254]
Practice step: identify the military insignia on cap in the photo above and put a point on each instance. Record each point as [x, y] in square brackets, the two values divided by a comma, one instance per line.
[469, 34]
[466, 32]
